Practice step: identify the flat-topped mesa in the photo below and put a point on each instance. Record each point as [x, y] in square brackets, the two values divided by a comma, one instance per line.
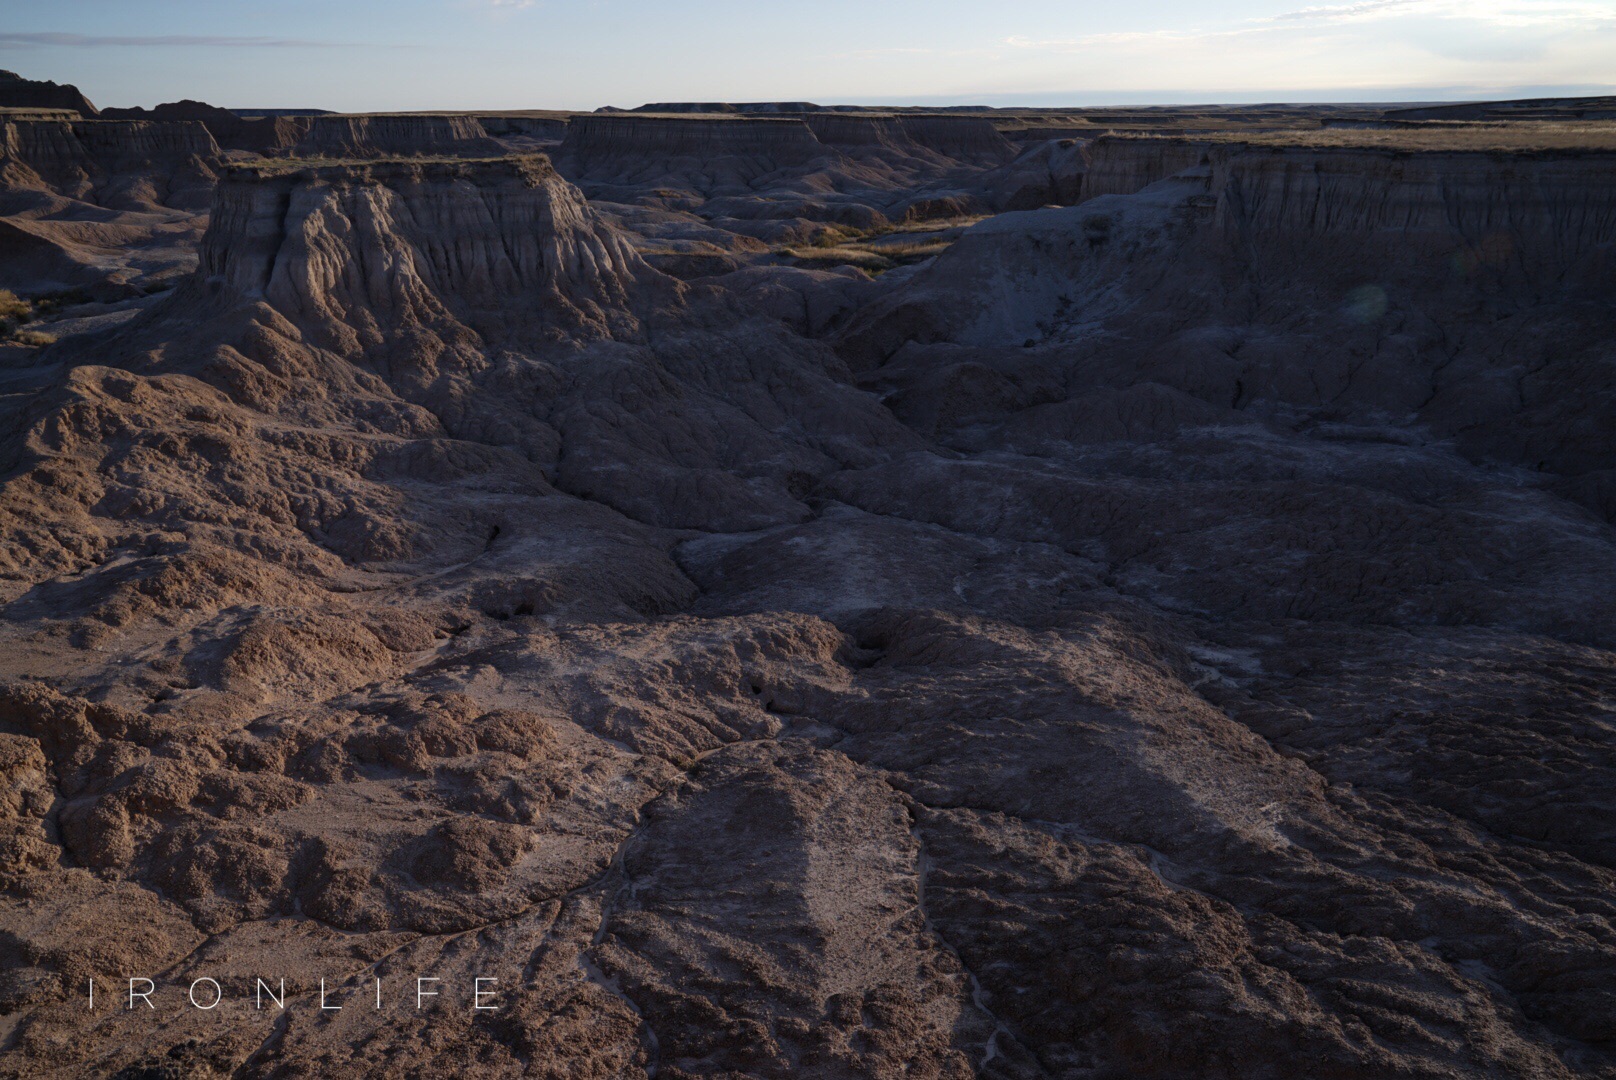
[347, 137]
[1565, 108]
[359, 253]
[743, 107]
[17, 92]
[597, 140]
[683, 107]
[963, 138]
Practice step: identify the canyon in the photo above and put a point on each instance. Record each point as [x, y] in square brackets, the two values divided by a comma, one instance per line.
[793, 591]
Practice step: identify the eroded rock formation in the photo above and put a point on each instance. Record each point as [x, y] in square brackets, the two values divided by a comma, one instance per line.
[1163, 636]
[417, 135]
[631, 150]
[259, 134]
[17, 92]
[102, 205]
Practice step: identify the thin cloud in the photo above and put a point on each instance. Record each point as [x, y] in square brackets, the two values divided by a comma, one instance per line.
[1123, 38]
[1545, 16]
[904, 50]
[98, 41]
[1504, 13]
[1341, 11]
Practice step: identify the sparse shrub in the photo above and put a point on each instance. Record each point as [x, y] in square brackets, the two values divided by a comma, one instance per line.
[51, 303]
[13, 308]
[836, 236]
[35, 338]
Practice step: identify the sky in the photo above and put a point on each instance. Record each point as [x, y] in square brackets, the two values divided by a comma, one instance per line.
[355, 55]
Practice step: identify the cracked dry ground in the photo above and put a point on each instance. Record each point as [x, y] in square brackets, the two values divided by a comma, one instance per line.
[621, 648]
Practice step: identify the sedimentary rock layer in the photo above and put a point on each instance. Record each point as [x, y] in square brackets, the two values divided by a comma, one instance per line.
[1117, 166]
[417, 135]
[777, 142]
[965, 138]
[75, 156]
[102, 204]
[414, 245]
[546, 128]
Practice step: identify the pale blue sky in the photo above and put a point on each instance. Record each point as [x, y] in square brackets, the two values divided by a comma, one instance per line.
[492, 54]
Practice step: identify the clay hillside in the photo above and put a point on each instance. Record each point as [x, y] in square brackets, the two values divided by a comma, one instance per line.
[793, 591]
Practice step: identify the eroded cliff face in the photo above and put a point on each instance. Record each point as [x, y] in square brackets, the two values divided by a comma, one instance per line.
[771, 180]
[630, 149]
[1543, 223]
[1456, 290]
[1049, 172]
[395, 136]
[104, 205]
[40, 153]
[84, 158]
[852, 130]
[359, 253]
[541, 128]
[262, 134]
[1114, 166]
[964, 138]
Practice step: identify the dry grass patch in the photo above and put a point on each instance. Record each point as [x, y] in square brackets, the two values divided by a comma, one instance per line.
[13, 308]
[839, 255]
[883, 247]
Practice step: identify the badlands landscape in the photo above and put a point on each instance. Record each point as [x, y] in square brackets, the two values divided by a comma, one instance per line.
[777, 590]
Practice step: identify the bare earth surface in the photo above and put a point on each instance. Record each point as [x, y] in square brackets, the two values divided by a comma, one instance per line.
[815, 594]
